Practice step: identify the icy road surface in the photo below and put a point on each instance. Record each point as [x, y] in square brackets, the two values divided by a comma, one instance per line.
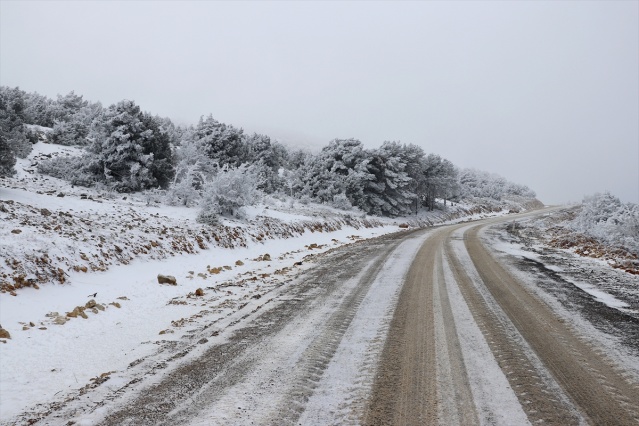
[419, 327]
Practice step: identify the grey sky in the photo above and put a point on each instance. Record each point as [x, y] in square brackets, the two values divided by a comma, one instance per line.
[543, 93]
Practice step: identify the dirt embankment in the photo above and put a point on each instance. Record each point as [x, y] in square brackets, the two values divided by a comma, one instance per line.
[42, 246]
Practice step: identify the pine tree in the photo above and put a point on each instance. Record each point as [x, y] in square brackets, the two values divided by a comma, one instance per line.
[130, 153]
[7, 158]
[12, 116]
[39, 110]
[222, 143]
[271, 156]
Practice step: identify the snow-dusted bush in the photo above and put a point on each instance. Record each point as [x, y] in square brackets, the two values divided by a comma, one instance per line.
[154, 195]
[305, 200]
[185, 191]
[606, 218]
[70, 133]
[70, 169]
[231, 190]
[341, 201]
[208, 216]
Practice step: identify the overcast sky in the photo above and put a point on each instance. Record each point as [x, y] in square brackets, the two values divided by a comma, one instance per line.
[543, 93]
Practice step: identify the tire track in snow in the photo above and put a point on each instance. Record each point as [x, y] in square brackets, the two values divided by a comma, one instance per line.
[540, 398]
[457, 406]
[256, 370]
[601, 391]
[342, 395]
[422, 376]
[321, 351]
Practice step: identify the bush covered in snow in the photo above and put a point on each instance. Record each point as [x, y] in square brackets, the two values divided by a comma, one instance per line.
[606, 218]
[67, 168]
[230, 190]
[341, 201]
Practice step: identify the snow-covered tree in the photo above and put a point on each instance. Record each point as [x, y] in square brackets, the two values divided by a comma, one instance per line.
[12, 120]
[388, 192]
[597, 209]
[331, 172]
[479, 184]
[438, 179]
[185, 191]
[192, 169]
[271, 155]
[7, 158]
[72, 132]
[130, 153]
[159, 146]
[68, 105]
[222, 143]
[77, 127]
[39, 110]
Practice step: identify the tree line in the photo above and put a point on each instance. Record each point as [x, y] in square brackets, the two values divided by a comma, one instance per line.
[222, 168]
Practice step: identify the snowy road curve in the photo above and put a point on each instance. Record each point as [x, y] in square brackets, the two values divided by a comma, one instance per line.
[470, 345]
[419, 327]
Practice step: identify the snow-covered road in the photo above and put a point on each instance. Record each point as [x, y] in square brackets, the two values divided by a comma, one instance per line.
[420, 327]
[471, 344]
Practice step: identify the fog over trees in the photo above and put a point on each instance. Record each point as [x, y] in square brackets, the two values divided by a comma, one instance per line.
[218, 167]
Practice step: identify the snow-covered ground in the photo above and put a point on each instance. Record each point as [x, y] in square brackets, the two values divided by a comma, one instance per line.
[67, 248]
[591, 294]
[599, 277]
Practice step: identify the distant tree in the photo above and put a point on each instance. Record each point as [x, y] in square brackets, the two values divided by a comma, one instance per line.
[7, 158]
[12, 120]
[222, 143]
[68, 105]
[389, 192]
[39, 110]
[77, 121]
[271, 155]
[439, 179]
[479, 184]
